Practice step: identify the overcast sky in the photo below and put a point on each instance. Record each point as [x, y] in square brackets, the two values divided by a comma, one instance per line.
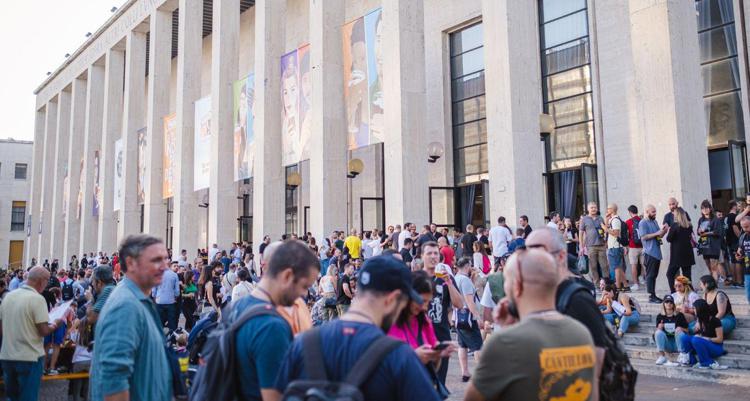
[34, 37]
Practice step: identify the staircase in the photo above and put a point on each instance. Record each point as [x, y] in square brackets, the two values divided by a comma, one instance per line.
[641, 347]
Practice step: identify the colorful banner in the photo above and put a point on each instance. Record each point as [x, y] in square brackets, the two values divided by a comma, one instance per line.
[97, 195]
[66, 193]
[118, 184]
[169, 158]
[141, 176]
[296, 99]
[79, 201]
[244, 138]
[363, 77]
[202, 149]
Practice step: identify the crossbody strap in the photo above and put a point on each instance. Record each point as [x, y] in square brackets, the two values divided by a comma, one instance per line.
[312, 355]
[371, 359]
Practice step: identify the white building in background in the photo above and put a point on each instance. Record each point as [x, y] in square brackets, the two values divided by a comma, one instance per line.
[215, 121]
[15, 178]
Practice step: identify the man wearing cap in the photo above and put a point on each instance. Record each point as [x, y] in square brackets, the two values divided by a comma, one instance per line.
[383, 290]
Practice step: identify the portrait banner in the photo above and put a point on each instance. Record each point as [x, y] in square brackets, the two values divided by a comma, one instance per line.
[373, 35]
[355, 84]
[118, 184]
[169, 158]
[290, 122]
[202, 141]
[97, 196]
[79, 200]
[244, 149]
[66, 193]
[141, 176]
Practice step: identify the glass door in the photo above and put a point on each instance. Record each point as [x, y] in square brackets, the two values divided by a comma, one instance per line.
[590, 184]
[738, 168]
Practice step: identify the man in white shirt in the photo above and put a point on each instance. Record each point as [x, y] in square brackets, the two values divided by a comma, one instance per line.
[615, 250]
[403, 235]
[500, 237]
[212, 253]
[554, 220]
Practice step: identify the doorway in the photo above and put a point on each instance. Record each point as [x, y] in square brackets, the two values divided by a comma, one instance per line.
[727, 168]
[568, 191]
[15, 254]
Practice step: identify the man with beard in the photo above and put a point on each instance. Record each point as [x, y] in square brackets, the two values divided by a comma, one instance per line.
[651, 235]
[263, 341]
[383, 290]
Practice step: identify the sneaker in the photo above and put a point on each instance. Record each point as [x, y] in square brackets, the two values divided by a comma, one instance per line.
[53, 372]
[716, 366]
[699, 366]
[654, 299]
[683, 359]
[671, 364]
[626, 289]
[635, 287]
[661, 360]
[642, 280]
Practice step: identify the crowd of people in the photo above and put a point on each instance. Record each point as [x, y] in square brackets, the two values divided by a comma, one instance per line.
[302, 311]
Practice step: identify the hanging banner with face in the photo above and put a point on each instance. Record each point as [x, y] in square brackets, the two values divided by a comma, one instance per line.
[305, 102]
[202, 149]
[97, 195]
[118, 184]
[79, 200]
[66, 193]
[244, 139]
[141, 174]
[289, 109]
[168, 156]
[373, 35]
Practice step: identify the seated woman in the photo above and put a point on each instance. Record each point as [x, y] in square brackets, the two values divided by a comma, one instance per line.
[718, 304]
[620, 310]
[707, 343]
[684, 297]
[671, 326]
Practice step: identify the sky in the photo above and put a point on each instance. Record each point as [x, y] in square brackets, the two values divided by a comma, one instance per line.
[34, 37]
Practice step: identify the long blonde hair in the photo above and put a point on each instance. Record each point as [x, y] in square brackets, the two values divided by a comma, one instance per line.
[680, 217]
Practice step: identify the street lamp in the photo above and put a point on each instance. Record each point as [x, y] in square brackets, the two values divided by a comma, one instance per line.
[546, 124]
[293, 180]
[355, 167]
[435, 151]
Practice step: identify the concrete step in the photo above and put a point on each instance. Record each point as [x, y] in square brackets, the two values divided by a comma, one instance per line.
[649, 353]
[739, 334]
[732, 347]
[737, 377]
[736, 297]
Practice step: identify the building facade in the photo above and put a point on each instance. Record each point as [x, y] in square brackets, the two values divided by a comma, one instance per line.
[15, 178]
[216, 121]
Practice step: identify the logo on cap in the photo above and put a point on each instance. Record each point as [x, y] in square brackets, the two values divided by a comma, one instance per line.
[365, 278]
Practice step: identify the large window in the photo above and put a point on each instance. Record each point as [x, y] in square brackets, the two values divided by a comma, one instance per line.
[566, 81]
[20, 173]
[468, 105]
[720, 70]
[18, 216]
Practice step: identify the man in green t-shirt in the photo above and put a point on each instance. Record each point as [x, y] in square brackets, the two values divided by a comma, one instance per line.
[539, 354]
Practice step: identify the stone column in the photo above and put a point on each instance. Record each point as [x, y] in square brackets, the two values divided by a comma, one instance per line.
[159, 70]
[404, 95]
[669, 103]
[512, 76]
[35, 198]
[72, 234]
[50, 132]
[189, 50]
[328, 142]
[91, 142]
[112, 131]
[268, 175]
[60, 164]
[133, 120]
[222, 195]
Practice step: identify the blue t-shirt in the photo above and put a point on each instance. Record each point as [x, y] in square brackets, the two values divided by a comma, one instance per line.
[226, 262]
[651, 247]
[400, 376]
[262, 343]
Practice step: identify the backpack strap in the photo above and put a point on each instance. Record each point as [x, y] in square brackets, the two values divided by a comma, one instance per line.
[252, 312]
[312, 355]
[564, 299]
[370, 359]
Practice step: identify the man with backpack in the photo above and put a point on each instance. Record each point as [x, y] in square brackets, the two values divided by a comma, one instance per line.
[354, 352]
[617, 240]
[635, 248]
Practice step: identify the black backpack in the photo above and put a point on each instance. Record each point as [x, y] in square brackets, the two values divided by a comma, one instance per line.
[216, 378]
[67, 290]
[319, 387]
[636, 236]
[618, 376]
[624, 238]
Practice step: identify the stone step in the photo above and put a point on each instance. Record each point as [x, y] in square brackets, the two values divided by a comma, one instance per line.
[737, 297]
[739, 334]
[646, 340]
[734, 361]
[736, 377]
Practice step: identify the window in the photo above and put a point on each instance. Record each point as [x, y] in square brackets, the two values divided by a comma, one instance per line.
[721, 72]
[468, 104]
[18, 216]
[21, 171]
[290, 202]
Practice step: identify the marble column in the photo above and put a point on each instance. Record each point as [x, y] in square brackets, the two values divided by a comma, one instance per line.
[133, 121]
[268, 174]
[669, 96]
[189, 50]
[159, 70]
[222, 197]
[406, 193]
[112, 131]
[91, 142]
[512, 76]
[35, 198]
[59, 166]
[328, 142]
[50, 132]
[72, 234]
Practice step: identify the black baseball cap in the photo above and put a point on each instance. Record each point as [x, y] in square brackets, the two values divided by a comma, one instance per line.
[386, 273]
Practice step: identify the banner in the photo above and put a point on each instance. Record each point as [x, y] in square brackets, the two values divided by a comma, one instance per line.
[141, 176]
[118, 184]
[363, 77]
[169, 158]
[296, 99]
[79, 200]
[202, 149]
[66, 193]
[244, 138]
[97, 195]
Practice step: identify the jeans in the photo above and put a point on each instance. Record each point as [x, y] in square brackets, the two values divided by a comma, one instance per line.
[665, 343]
[747, 287]
[615, 258]
[728, 323]
[625, 321]
[22, 379]
[705, 349]
[168, 314]
[598, 259]
[672, 274]
[652, 270]
[79, 388]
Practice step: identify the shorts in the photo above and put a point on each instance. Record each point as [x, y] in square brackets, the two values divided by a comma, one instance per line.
[615, 258]
[470, 338]
[57, 337]
[635, 256]
[730, 252]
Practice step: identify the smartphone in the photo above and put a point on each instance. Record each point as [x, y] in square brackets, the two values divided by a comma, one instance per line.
[441, 346]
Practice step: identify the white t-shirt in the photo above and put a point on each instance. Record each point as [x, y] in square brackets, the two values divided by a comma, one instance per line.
[241, 290]
[500, 237]
[402, 236]
[552, 225]
[614, 224]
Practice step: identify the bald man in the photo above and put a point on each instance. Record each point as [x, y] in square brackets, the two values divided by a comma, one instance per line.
[672, 204]
[651, 235]
[545, 353]
[24, 324]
